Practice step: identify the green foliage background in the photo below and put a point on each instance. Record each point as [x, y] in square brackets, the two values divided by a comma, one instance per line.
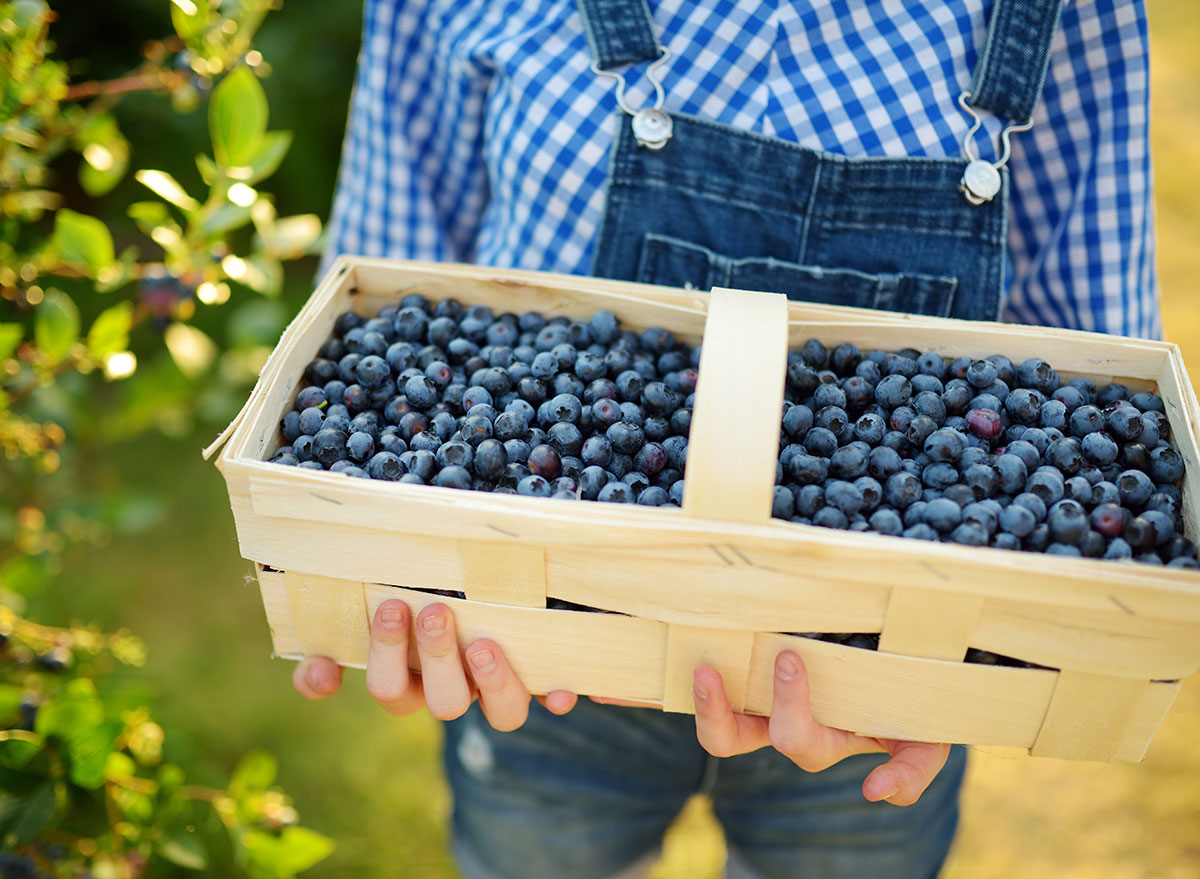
[373, 782]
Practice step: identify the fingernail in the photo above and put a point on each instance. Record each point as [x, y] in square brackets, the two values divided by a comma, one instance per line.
[892, 792]
[390, 617]
[786, 668]
[483, 659]
[699, 688]
[434, 624]
[313, 679]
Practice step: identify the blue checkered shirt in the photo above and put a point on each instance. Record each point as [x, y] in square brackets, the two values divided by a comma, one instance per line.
[478, 131]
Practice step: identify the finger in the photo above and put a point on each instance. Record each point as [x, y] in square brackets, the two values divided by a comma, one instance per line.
[721, 732]
[903, 779]
[447, 692]
[316, 677]
[793, 729]
[504, 699]
[389, 681]
[558, 701]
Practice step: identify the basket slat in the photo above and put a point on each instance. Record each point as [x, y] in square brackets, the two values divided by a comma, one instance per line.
[1088, 716]
[932, 623]
[504, 572]
[688, 647]
[331, 620]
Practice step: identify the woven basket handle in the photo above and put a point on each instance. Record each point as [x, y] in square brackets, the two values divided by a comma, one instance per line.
[734, 440]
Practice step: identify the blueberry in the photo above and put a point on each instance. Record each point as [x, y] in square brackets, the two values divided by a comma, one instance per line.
[1163, 525]
[1017, 519]
[1066, 454]
[943, 515]
[892, 391]
[830, 517]
[945, 445]
[981, 373]
[544, 461]
[845, 496]
[984, 423]
[849, 462]
[919, 430]
[359, 447]
[1111, 393]
[533, 486]
[886, 521]
[1068, 522]
[802, 378]
[921, 531]
[969, 534]
[901, 490]
[1037, 374]
[616, 493]
[809, 469]
[1013, 472]
[650, 459]
[939, 476]
[625, 437]
[869, 427]
[1166, 465]
[329, 446]
[385, 465]
[783, 505]
[883, 462]
[814, 353]
[1063, 549]
[1135, 488]
[828, 395]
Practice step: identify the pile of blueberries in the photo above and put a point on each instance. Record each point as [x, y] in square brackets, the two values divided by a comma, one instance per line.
[461, 397]
[978, 452]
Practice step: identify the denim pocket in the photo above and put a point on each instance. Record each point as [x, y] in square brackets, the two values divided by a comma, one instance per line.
[678, 263]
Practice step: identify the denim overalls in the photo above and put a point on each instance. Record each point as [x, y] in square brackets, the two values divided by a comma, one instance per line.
[700, 204]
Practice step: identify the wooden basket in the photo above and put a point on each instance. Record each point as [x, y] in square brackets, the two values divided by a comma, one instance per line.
[718, 581]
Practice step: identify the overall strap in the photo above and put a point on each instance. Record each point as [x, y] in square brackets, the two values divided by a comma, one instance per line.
[1012, 68]
[619, 32]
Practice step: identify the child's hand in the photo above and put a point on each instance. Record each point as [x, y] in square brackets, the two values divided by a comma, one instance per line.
[446, 684]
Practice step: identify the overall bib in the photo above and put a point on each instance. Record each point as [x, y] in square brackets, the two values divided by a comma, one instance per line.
[696, 203]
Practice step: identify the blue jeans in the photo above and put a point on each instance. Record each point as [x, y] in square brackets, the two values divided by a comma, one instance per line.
[590, 794]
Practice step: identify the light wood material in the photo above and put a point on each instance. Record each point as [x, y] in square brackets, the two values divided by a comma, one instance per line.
[715, 584]
[1087, 717]
[330, 617]
[504, 572]
[688, 647]
[932, 623]
[734, 439]
[272, 585]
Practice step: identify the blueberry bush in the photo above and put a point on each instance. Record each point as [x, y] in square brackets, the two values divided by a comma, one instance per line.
[101, 341]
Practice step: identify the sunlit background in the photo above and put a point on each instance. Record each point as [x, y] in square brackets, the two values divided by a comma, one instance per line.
[373, 782]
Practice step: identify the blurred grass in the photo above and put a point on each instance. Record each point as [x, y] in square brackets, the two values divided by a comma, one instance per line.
[374, 782]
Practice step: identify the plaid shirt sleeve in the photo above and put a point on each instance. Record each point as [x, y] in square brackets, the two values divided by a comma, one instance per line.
[477, 131]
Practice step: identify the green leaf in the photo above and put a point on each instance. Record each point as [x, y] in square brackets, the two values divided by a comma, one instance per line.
[37, 811]
[89, 750]
[227, 217]
[148, 215]
[237, 118]
[110, 331]
[192, 350]
[56, 326]
[183, 850]
[294, 850]
[10, 338]
[82, 241]
[209, 172]
[76, 709]
[105, 154]
[167, 188]
[267, 159]
[263, 274]
[10, 699]
[255, 772]
[190, 18]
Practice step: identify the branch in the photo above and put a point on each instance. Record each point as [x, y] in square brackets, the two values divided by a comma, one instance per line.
[138, 82]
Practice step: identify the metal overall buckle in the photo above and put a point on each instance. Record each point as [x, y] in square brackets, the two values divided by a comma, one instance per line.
[981, 180]
[652, 126]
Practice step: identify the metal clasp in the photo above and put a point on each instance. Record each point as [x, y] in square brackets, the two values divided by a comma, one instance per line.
[981, 180]
[652, 126]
